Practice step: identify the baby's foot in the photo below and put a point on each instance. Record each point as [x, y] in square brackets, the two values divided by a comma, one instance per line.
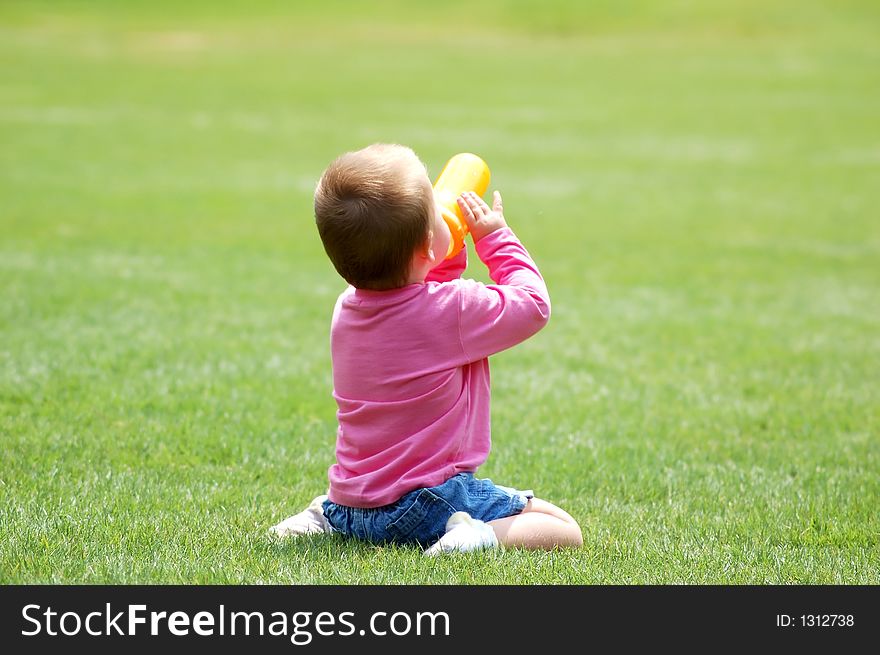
[309, 521]
[464, 533]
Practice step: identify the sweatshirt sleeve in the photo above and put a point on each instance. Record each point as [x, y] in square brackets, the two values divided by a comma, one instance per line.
[449, 269]
[495, 317]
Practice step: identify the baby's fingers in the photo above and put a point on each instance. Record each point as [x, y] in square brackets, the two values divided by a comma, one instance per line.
[467, 207]
[476, 203]
[497, 206]
[478, 200]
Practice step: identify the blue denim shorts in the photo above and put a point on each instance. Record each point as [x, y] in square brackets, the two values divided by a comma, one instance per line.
[420, 516]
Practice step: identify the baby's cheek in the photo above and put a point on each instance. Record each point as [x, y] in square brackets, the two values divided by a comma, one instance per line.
[442, 250]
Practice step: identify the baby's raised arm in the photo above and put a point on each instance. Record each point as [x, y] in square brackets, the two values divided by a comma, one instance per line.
[498, 316]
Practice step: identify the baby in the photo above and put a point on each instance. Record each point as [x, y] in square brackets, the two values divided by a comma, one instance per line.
[410, 341]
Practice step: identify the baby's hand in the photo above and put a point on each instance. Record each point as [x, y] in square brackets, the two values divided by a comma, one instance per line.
[479, 218]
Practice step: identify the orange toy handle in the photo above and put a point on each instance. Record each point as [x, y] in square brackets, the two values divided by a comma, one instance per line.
[464, 172]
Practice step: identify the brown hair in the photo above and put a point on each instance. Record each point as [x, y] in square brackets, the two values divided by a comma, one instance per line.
[373, 210]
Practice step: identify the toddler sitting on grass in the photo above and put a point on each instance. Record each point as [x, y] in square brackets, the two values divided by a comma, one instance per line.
[410, 341]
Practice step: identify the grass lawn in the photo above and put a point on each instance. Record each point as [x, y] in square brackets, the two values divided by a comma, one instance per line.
[700, 187]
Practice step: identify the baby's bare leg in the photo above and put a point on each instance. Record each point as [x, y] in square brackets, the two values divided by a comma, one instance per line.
[540, 525]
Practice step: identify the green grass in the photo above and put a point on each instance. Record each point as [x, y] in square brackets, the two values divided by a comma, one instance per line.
[699, 185]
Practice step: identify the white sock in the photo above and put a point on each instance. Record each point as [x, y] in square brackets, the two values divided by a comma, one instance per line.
[309, 521]
[464, 533]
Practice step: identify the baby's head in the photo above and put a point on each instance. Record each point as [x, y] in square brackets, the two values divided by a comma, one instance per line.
[375, 212]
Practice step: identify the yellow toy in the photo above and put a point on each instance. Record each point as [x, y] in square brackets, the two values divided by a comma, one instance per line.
[464, 172]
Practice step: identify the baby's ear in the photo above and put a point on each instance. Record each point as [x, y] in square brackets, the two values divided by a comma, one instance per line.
[429, 247]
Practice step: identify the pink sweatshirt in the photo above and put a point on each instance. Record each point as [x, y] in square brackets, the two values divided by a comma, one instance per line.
[411, 374]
